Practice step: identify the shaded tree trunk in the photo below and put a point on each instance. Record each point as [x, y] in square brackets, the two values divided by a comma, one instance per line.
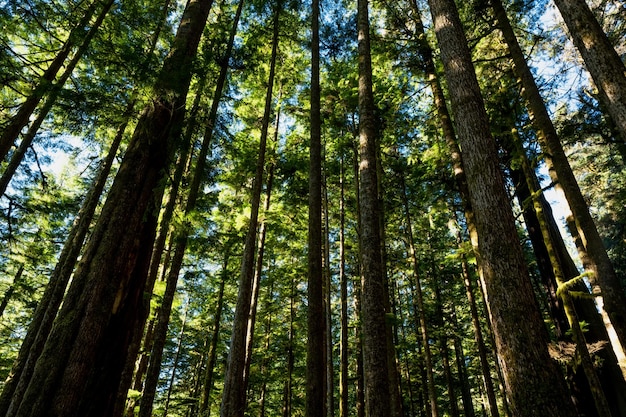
[343, 282]
[315, 374]
[83, 358]
[533, 381]
[8, 294]
[420, 311]
[459, 355]
[207, 383]
[170, 387]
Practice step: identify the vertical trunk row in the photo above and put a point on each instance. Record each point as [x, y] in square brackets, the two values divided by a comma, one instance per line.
[84, 355]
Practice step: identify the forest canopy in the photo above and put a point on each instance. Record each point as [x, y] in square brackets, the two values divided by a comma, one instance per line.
[325, 208]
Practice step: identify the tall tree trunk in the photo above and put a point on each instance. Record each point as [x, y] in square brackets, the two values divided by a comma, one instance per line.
[11, 290]
[80, 366]
[343, 280]
[48, 306]
[140, 369]
[233, 397]
[287, 392]
[534, 383]
[459, 355]
[315, 373]
[420, 310]
[601, 59]
[603, 278]
[328, 317]
[490, 392]
[207, 383]
[443, 337]
[376, 372]
[256, 282]
[12, 131]
[263, 370]
[170, 387]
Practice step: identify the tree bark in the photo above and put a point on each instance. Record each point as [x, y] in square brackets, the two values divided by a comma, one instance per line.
[376, 372]
[533, 381]
[315, 375]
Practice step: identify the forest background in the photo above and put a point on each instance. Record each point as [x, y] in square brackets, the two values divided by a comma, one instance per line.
[249, 89]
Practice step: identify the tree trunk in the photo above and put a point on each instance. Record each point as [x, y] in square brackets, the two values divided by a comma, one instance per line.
[419, 303]
[79, 369]
[11, 290]
[234, 395]
[603, 278]
[459, 355]
[533, 381]
[490, 392]
[376, 372]
[343, 280]
[175, 365]
[48, 306]
[315, 375]
[207, 384]
[328, 318]
[256, 282]
[601, 59]
[287, 392]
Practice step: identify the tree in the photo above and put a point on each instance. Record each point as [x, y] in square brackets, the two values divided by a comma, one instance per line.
[78, 370]
[375, 364]
[603, 277]
[234, 396]
[315, 322]
[601, 59]
[536, 386]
